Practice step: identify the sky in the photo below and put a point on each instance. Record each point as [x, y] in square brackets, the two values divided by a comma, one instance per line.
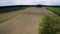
[29, 2]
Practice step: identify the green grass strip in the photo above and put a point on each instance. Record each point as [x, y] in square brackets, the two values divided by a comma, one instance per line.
[55, 10]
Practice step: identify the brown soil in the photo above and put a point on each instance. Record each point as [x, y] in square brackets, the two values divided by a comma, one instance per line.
[26, 21]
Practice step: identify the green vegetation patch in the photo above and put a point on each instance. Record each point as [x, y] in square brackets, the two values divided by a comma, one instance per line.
[56, 10]
[10, 9]
[50, 25]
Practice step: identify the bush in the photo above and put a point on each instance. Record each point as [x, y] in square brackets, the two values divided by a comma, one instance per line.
[50, 25]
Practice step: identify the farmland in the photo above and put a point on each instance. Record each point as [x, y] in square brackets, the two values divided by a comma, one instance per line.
[56, 10]
[27, 21]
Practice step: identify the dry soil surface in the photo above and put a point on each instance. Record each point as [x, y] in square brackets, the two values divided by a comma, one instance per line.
[25, 22]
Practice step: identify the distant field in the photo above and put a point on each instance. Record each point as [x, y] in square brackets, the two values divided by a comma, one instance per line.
[10, 9]
[56, 10]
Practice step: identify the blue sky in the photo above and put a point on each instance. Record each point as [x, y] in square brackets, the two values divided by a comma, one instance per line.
[29, 2]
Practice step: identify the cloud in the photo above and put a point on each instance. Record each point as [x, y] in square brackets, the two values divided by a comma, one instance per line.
[55, 3]
[23, 2]
[28, 2]
[6, 2]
